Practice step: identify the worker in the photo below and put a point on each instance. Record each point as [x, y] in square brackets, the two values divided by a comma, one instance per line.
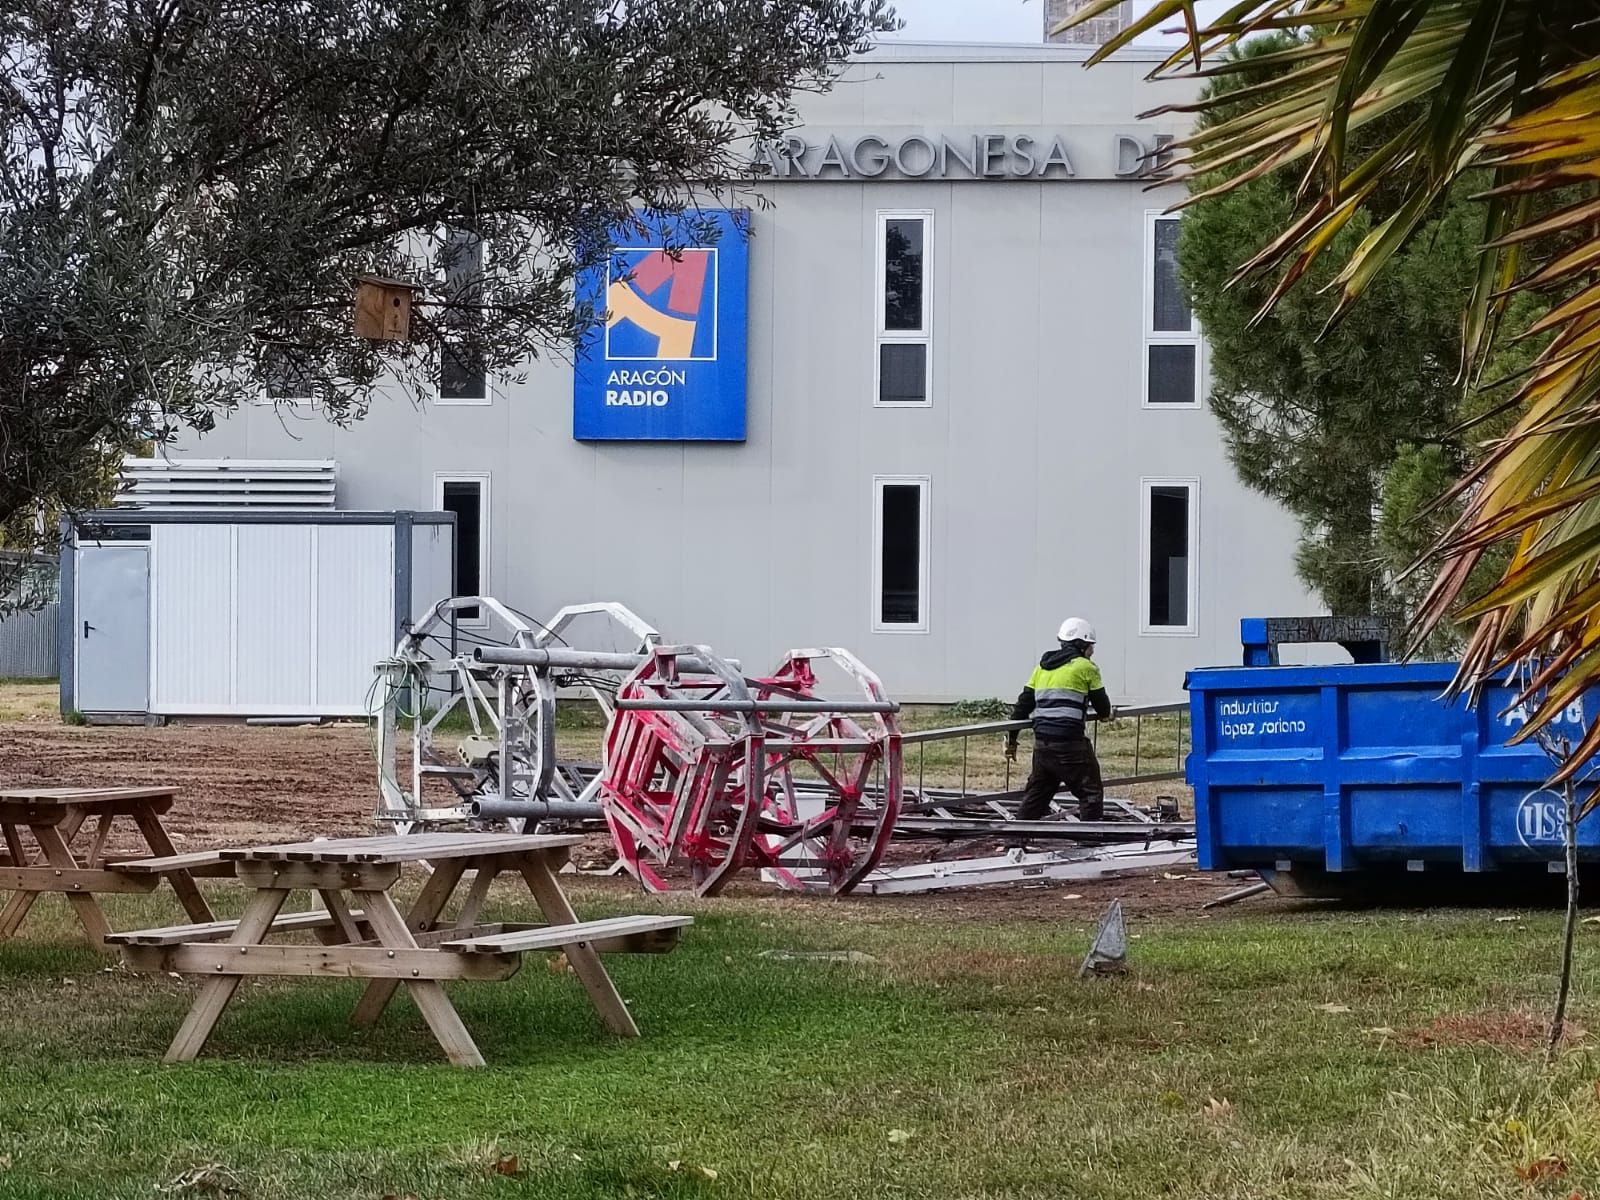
[1063, 686]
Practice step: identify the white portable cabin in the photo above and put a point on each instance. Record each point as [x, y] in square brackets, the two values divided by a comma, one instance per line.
[249, 612]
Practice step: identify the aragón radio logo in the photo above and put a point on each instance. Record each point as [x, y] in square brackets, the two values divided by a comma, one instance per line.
[664, 306]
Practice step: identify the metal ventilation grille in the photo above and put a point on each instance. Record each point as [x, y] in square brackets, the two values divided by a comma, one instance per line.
[203, 484]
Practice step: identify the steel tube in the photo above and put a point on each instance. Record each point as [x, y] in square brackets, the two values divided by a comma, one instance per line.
[536, 809]
[762, 706]
[561, 659]
[959, 731]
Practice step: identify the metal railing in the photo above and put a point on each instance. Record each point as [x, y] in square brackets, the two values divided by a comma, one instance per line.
[965, 733]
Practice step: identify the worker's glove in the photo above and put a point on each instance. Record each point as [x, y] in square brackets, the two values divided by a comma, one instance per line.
[1111, 718]
[1011, 752]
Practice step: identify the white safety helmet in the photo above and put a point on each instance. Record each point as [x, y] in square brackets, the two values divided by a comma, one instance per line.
[1076, 629]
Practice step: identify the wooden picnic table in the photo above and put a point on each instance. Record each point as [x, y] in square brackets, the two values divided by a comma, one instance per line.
[364, 936]
[53, 818]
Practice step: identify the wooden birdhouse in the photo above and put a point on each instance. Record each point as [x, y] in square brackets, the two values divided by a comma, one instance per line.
[383, 308]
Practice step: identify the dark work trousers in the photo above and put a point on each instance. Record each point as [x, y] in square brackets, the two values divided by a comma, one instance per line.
[1063, 764]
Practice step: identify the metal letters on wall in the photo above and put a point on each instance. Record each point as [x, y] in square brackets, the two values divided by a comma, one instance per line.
[1086, 152]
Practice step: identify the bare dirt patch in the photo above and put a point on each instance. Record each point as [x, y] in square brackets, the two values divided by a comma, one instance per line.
[1517, 1029]
[240, 784]
[237, 783]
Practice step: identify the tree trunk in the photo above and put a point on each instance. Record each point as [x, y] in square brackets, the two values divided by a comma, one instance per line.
[1570, 838]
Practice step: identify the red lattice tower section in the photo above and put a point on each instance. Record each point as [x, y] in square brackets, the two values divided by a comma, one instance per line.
[713, 771]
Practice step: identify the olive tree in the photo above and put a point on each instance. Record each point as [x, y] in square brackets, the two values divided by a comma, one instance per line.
[190, 188]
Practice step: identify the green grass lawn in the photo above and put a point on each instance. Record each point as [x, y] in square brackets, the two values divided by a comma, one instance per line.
[1298, 1054]
[29, 700]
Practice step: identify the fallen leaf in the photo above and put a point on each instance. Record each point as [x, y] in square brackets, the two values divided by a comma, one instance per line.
[709, 1172]
[1515, 1127]
[5, 1162]
[1040, 1008]
[1217, 1110]
[1549, 1167]
[1380, 1031]
[1170, 1099]
[212, 1179]
[1333, 1008]
[675, 1164]
[559, 964]
[507, 1164]
[845, 956]
[900, 1137]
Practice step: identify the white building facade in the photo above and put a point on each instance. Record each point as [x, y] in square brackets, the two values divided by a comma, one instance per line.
[973, 402]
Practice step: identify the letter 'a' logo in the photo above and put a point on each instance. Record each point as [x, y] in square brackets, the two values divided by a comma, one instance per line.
[662, 306]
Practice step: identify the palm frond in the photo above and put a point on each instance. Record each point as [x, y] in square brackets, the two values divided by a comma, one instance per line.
[1508, 93]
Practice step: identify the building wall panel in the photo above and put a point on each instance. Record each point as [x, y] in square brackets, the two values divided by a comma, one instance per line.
[355, 613]
[276, 644]
[192, 618]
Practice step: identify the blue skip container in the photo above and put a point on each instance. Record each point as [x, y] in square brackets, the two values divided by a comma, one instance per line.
[1363, 768]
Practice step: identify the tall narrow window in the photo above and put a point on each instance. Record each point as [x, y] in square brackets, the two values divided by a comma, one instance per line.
[903, 302]
[467, 496]
[1169, 539]
[462, 377]
[900, 553]
[1171, 336]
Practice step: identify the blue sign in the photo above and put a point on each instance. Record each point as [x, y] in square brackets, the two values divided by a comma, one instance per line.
[669, 363]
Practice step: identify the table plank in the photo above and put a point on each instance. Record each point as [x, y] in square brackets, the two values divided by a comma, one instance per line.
[417, 847]
[317, 876]
[171, 862]
[81, 795]
[214, 931]
[220, 960]
[549, 937]
[70, 879]
[54, 812]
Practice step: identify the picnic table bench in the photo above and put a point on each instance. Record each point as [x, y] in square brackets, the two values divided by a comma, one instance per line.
[363, 935]
[53, 818]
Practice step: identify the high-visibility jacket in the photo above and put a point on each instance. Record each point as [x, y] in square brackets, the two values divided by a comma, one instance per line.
[1059, 694]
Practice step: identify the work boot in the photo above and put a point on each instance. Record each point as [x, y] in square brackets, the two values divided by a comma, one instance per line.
[1091, 812]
